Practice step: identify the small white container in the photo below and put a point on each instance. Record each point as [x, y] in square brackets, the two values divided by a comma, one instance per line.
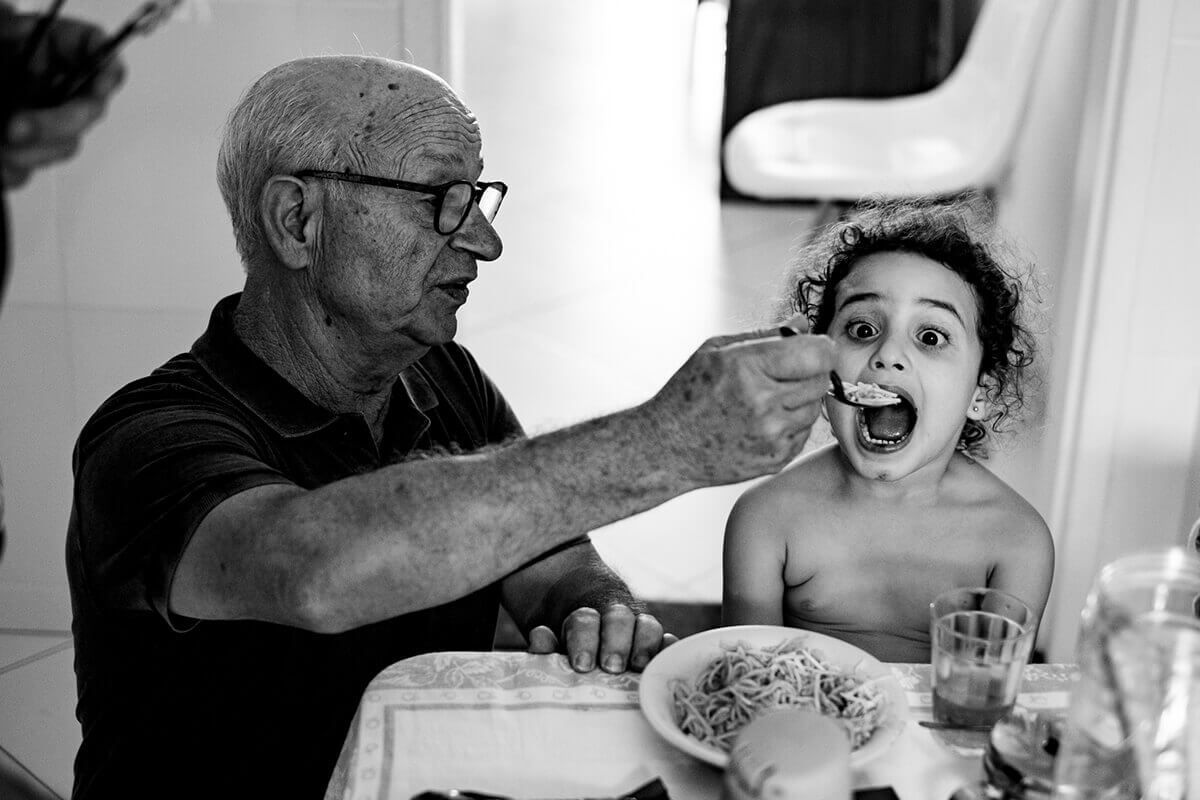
[789, 754]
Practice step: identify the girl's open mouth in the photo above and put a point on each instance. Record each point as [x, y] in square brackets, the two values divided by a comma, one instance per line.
[886, 429]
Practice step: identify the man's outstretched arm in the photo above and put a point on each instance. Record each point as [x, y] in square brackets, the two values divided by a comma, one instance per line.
[420, 533]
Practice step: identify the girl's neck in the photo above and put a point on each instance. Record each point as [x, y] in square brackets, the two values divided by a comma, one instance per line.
[921, 487]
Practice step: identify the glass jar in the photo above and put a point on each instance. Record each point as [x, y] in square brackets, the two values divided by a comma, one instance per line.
[1133, 727]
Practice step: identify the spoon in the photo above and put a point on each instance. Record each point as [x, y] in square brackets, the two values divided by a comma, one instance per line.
[654, 790]
[951, 726]
[881, 397]
[466, 794]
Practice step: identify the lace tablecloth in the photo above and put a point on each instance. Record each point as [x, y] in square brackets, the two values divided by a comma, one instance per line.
[528, 726]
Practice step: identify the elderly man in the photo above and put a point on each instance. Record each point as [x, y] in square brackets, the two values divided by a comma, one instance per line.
[327, 483]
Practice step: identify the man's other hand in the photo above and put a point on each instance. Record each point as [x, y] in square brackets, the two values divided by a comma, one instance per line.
[40, 127]
[615, 639]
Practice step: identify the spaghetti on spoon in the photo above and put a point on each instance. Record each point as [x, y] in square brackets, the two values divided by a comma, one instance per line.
[864, 395]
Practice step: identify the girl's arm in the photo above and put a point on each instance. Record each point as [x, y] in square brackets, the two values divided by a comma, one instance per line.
[1026, 566]
[754, 557]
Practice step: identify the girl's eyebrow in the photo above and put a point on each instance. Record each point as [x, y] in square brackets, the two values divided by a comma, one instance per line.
[929, 301]
[866, 297]
[858, 297]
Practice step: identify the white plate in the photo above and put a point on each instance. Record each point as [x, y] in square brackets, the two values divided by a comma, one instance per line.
[686, 658]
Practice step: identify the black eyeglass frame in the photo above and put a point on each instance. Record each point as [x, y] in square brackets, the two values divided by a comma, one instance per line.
[439, 191]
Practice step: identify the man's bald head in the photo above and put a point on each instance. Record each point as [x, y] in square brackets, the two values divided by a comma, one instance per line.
[343, 113]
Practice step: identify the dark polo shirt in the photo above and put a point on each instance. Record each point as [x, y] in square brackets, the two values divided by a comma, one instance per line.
[174, 707]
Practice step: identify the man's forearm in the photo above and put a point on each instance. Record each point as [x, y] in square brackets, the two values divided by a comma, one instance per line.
[423, 532]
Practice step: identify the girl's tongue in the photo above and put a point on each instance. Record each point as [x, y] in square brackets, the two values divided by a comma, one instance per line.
[890, 423]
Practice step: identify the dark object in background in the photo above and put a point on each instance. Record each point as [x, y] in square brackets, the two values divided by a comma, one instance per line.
[876, 793]
[4, 259]
[781, 50]
[654, 790]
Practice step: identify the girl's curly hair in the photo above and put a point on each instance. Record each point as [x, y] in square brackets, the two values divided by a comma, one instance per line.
[960, 233]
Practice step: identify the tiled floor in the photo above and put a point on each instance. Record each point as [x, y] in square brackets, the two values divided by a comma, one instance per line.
[37, 701]
[619, 260]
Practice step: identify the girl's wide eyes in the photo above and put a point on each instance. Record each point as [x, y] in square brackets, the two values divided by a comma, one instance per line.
[860, 330]
[931, 337]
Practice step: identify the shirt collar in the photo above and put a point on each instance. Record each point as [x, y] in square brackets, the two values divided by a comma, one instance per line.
[266, 393]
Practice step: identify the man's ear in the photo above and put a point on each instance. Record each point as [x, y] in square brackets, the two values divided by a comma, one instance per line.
[290, 211]
[980, 405]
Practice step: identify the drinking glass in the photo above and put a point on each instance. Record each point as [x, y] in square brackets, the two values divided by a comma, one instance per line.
[1133, 728]
[981, 642]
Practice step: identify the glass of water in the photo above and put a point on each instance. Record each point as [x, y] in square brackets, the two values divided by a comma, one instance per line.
[981, 642]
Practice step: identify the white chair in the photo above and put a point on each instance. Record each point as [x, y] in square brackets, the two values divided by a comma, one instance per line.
[956, 136]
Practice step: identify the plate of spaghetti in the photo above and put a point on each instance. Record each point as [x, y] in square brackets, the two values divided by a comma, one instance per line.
[701, 691]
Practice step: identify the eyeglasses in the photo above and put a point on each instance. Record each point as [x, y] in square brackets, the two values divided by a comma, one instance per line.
[454, 199]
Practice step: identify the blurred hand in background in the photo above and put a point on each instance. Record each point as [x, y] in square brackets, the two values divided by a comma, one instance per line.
[41, 125]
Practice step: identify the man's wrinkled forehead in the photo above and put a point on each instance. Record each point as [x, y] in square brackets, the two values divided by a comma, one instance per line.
[428, 139]
[403, 118]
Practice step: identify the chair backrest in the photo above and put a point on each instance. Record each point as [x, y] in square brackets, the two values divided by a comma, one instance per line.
[987, 94]
[958, 135]
[1000, 61]
[1193, 538]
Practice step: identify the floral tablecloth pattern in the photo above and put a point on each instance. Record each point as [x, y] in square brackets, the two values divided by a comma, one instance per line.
[529, 726]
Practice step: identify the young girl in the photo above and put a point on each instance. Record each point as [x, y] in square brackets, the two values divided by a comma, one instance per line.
[855, 539]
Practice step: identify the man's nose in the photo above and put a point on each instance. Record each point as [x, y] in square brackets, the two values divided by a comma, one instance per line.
[477, 237]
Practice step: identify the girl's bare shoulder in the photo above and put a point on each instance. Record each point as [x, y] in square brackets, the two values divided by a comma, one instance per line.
[991, 497]
[813, 474]
[790, 496]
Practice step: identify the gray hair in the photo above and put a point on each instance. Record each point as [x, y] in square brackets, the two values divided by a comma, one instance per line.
[280, 125]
